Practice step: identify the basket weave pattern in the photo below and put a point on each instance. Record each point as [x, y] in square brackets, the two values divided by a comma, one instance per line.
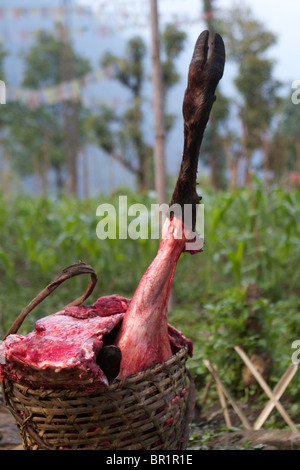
[145, 411]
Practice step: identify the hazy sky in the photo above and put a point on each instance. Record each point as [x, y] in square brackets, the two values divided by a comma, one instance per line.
[281, 17]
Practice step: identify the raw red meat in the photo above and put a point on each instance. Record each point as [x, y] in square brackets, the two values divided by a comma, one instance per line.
[63, 350]
[66, 347]
[143, 335]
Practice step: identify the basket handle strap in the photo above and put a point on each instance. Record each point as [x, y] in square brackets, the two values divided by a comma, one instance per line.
[67, 273]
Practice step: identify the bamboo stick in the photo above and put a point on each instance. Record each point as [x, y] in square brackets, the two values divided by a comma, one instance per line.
[278, 392]
[233, 403]
[266, 388]
[223, 402]
[206, 390]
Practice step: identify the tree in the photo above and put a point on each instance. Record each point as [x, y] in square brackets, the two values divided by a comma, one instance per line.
[285, 145]
[129, 71]
[217, 142]
[160, 177]
[214, 141]
[216, 146]
[5, 172]
[37, 146]
[52, 136]
[3, 54]
[247, 42]
[259, 90]
[172, 42]
[122, 136]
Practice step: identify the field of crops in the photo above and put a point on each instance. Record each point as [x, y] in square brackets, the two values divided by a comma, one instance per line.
[250, 237]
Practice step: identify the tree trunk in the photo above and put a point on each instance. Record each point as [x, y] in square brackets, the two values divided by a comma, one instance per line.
[142, 175]
[245, 147]
[59, 179]
[160, 178]
[111, 176]
[140, 146]
[71, 141]
[6, 178]
[232, 164]
[159, 124]
[85, 172]
[265, 145]
[45, 166]
[284, 169]
[214, 165]
[298, 154]
[37, 171]
[70, 120]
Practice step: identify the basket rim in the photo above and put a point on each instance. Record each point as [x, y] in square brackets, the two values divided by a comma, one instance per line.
[139, 376]
[116, 384]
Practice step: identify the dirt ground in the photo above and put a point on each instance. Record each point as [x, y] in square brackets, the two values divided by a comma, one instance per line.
[9, 435]
[208, 432]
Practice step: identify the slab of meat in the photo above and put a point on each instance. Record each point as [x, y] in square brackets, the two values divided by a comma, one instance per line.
[64, 349]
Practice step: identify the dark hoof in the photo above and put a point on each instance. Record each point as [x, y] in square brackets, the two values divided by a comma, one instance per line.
[205, 71]
[109, 360]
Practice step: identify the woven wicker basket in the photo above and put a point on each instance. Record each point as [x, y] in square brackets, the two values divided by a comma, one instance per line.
[146, 411]
[150, 410]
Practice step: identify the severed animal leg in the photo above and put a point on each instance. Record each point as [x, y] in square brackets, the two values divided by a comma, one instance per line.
[143, 336]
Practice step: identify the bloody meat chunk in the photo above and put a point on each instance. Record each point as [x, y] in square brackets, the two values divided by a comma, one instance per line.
[65, 349]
